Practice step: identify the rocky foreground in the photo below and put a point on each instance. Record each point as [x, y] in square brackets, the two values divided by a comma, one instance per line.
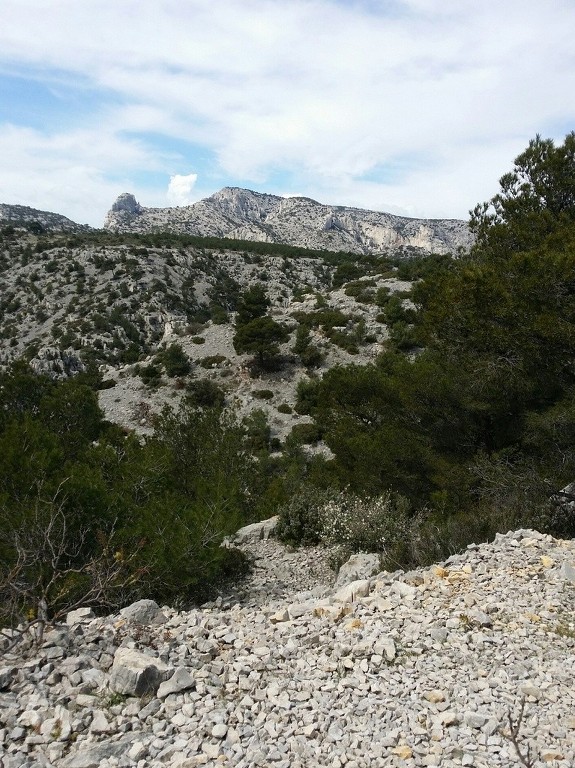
[402, 669]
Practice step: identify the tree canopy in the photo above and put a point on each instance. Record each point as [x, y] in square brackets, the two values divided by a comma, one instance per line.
[536, 199]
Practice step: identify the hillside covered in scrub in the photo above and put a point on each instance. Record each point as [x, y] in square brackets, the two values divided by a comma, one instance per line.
[192, 385]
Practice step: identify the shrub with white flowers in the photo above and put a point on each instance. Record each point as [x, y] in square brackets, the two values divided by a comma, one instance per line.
[356, 524]
[346, 522]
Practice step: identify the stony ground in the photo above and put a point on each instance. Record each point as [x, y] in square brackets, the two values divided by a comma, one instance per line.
[402, 670]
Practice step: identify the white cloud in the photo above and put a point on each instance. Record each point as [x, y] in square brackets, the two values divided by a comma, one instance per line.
[332, 93]
[180, 188]
[78, 173]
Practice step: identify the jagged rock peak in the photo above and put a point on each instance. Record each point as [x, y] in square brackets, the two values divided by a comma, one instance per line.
[246, 215]
[126, 202]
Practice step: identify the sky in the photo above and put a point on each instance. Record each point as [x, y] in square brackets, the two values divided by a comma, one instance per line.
[415, 107]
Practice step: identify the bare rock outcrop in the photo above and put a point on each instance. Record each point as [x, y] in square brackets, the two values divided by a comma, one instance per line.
[299, 221]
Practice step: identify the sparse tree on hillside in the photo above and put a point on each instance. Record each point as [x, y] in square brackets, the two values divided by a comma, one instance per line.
[260, 337]
[254, 303]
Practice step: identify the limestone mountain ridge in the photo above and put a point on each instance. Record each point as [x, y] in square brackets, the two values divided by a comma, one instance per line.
[300, 221]
[41, 221]
[71, 293]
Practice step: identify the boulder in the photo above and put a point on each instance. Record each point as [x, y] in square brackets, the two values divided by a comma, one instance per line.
[352, 592]
[6, 676]
[250, 534]
[79, 616]
[144, 612]
[360, 566]
[136, 674]
[181, 680]
[92, 756]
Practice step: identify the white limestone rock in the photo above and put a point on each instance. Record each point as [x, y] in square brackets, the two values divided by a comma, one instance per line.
[181, 680]
[255, 532]
[79, 616]
[360, 566]
[144, 612]
[353, 592]
[246, 215]
[137, 674]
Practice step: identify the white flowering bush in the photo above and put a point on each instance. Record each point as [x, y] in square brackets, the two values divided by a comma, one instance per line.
[300, 520]
[355, 524]
[347, 523]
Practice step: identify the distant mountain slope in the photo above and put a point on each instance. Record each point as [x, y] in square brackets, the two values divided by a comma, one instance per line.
[42, 221]
[245, 215]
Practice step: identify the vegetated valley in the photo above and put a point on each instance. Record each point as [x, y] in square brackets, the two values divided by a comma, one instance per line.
[159, 390]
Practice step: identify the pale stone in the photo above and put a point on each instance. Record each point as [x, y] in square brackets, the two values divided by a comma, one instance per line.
[135, 673]
[528, 689]
[474, 719]
[255, 531]
[181, 680]
[568, 572]
[403, 751]
[100, 722]
[434, 696]
[6, 676]
[137, 751]
[352, 592]
[359, 567]
[279, 616]
[144, 612]
[407, 591]
[79, 616]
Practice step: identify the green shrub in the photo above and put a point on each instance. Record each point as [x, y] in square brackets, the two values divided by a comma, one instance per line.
[284, 408]
[262, 394]
[198, 340]
[345, 341]
[346, 272]
[300, 521]
[307, 392]
[219, 316]
[212, 361]
[150, 375]
[258, 432]
[206, 394]
[175, 361]
[305, 434]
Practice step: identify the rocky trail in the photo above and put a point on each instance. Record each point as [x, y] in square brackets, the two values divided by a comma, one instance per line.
[290, 670]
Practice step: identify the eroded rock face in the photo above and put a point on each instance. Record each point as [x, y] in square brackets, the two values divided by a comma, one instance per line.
[246, 215]
[126, 203]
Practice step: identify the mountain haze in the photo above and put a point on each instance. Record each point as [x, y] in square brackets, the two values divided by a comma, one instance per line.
[245, 215]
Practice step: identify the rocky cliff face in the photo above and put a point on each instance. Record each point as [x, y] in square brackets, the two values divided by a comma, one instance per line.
[245, 215]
